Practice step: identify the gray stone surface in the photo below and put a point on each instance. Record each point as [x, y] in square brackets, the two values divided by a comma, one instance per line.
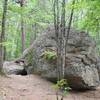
[12, 68]
[81, 59]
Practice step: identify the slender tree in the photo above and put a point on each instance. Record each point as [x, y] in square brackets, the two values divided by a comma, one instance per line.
[58, 37]
[22, 25]
[61, 36]
[65, 36]
[63, 32]
[23, 35]
[70, 22]
[2, 35]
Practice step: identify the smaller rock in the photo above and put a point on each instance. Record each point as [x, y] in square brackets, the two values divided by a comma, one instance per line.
[12, 68]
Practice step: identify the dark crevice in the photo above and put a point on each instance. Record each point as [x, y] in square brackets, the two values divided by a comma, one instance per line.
[23, 73]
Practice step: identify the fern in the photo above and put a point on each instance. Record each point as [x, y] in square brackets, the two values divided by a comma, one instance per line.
[50, 55]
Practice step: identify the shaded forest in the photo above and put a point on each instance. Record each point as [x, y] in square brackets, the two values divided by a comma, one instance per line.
[56, 39]
[25, 21]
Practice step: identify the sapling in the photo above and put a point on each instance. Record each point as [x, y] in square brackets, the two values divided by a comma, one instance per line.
[62, 86]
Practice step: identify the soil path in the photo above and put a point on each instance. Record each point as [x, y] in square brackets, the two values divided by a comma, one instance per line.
[32, 87]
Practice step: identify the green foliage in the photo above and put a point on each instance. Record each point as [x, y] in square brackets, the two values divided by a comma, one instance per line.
[90, 15]
[62, 85]
[50, 55]
[91, 21]
[38, 14]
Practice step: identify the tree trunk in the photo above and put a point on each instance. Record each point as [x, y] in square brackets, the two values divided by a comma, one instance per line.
[33, 34]
[69, 24]
[61, 37]
[22, 27]
[2, 35]
[63, 31]
[23, 35]
[58, 38]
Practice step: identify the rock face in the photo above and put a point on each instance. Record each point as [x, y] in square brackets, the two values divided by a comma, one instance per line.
[81, 59]
[12, 68]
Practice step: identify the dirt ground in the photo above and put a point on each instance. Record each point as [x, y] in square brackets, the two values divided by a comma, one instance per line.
[32, 87]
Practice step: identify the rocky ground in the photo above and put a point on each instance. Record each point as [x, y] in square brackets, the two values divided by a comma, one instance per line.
[32, 87]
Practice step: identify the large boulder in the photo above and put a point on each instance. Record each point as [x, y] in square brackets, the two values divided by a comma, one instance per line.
[81, 59]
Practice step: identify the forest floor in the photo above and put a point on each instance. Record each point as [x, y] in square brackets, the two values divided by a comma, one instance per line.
[32, 87]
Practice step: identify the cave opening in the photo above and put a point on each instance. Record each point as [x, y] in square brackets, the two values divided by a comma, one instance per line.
[23, 72]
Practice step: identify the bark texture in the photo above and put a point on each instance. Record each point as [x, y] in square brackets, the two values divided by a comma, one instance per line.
[2, 35]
